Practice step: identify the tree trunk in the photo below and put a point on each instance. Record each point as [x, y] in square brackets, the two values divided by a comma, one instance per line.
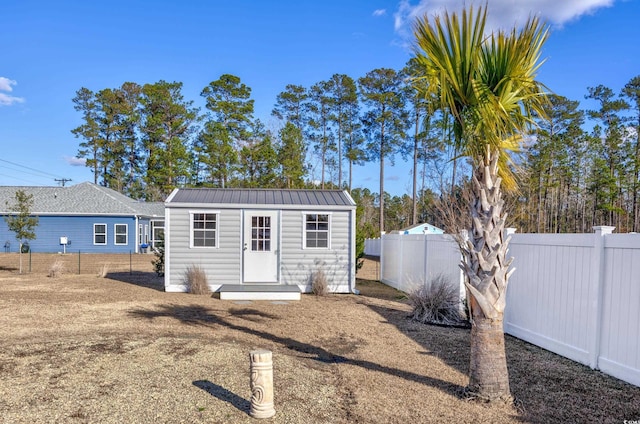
[414, 214]
[487, 269]
[488, 374]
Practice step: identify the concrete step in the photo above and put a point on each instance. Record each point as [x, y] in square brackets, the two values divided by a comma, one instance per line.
[258, 292]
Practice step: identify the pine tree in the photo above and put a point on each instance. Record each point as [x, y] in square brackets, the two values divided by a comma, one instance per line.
[167, 127]
[385, 120]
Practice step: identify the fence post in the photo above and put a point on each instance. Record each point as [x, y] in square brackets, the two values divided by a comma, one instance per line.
[425, 270]
[29, 260]
[400, 268]
[597, 288]
[78, 262]
[130, 265]
[382, 266]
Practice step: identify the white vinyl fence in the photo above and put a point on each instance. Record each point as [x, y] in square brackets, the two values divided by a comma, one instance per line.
[577, 295]
[410, 260]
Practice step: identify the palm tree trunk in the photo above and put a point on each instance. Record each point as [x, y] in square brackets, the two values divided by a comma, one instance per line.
[488, 374]
[487, 269]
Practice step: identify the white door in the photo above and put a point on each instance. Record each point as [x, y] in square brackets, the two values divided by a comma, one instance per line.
[260, 246]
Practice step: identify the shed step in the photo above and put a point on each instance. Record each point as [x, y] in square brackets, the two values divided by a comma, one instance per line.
[258, 292]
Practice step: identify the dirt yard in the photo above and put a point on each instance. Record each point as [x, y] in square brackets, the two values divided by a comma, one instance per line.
[83, 349]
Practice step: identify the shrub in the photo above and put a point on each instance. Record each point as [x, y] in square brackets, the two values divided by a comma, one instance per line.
[319, 284]
[158, 263]
[56, 269]
[196, 280]
[436, 301]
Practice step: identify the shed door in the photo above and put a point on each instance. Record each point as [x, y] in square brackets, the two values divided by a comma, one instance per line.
[260, 246]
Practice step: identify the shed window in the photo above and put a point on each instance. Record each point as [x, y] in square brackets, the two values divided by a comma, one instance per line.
[316, 231]
[121, 233]
[99, 233]
[204, 229]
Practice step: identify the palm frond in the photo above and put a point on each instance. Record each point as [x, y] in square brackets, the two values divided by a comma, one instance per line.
[487, 82]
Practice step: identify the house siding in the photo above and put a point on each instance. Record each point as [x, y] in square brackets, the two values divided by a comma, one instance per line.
[221, 264]
[298, 264]
[78, 230]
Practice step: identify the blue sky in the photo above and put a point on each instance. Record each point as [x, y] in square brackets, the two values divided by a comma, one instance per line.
[50, 49]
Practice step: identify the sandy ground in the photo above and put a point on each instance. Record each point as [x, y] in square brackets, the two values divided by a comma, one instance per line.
[83, 349]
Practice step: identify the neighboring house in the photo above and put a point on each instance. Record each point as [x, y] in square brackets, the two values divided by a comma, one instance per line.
[420, 229]
[260, 237]
[88, 217]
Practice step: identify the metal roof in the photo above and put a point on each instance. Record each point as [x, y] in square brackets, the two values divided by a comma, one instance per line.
[80, 199]
[249, 196]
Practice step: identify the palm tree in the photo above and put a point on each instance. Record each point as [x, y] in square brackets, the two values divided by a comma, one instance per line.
[488, 84]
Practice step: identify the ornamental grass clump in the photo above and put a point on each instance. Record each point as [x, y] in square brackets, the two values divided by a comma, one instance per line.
[196, 280]
[319, 284]
[436, 302]
[56, 269]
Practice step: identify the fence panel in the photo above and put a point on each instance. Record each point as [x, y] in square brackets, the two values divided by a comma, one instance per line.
[549, 294]
[444, 258]
[372, 247]
[77, 262]
[390, 259]
[577, 295]
[620, 326]
[412, 270]
[408, 260]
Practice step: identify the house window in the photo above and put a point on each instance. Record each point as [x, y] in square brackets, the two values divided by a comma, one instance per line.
[121, 233]
[140, 234]
[157, 233]
[99, 233]
[204, 229]
[316, 231]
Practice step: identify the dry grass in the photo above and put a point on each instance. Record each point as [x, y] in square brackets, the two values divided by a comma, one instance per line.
[103, 271]
[57, 269]
[82, 349]
[436, 301]
[196, 280]
[319, 283]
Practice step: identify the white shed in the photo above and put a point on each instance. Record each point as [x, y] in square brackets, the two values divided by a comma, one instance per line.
[256, 241]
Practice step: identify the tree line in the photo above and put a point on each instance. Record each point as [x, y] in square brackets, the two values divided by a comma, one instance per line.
[145, 140]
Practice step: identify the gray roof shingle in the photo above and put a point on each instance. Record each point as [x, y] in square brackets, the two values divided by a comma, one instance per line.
[80, 199]
[249, 196]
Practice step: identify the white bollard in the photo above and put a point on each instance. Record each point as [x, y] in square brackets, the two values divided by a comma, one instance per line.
[261, 384]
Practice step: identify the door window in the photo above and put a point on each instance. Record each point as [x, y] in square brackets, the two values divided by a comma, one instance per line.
[261, 233]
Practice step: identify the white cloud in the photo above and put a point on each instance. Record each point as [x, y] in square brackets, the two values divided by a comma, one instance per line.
[502, 13]
[73, 161]
[379, 12]
[7, 85]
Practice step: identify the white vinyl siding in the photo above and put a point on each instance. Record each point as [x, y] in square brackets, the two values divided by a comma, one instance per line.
[121, 234]
[222, 264]
[100, 234]
[299, 263]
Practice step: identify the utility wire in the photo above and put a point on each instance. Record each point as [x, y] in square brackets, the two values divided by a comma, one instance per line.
[24, 172]
[19, 179]
[32, 169]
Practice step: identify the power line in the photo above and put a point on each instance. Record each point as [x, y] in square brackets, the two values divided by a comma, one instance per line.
[16, 178]
[32, 169]
[24, 172]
